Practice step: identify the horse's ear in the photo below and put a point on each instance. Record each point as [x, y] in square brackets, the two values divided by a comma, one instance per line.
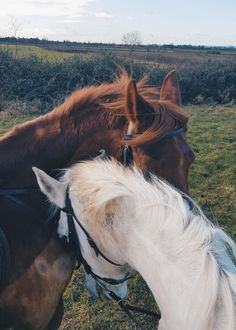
[134, 105]
[170, 89]
[53, 189]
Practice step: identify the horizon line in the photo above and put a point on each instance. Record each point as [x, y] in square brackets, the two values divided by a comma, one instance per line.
[120, 44]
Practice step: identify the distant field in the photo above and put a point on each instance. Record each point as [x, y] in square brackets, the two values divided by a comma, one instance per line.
[212, 182]
[178, 58]
[149, 54]
[26, 51]
[162, 56]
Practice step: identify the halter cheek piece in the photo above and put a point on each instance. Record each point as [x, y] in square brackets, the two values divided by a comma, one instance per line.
[74, 239]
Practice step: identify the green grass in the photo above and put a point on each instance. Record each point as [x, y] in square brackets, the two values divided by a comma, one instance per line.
[26, 51]
[7, 121]
[212, 177]
[212, 182]
[163, 57]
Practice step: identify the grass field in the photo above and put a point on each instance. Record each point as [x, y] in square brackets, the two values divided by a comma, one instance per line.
[26, 51]
[162, 56]
[212, 181]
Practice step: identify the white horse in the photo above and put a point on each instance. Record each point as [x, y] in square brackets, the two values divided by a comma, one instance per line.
[188, 263]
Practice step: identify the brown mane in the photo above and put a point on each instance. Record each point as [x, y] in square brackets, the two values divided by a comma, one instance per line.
[89, 109]
[109, 101]
[104, 106]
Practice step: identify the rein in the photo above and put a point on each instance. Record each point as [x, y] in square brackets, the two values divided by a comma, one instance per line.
[127, 308]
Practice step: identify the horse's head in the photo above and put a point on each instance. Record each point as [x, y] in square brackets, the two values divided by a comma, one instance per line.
[71, 196]
[100, 118]
[157, 126]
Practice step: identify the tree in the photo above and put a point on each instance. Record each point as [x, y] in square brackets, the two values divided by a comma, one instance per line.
[132, 39]
[15, 28]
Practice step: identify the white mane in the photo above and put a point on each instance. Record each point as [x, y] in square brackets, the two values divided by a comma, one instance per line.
[188, 263]
[185, 233]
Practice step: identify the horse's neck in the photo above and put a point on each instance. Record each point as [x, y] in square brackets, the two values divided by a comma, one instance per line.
[170, 281]
[42, 142]
[162, 276]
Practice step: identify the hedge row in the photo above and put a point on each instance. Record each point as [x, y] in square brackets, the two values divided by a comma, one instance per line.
[35, 80]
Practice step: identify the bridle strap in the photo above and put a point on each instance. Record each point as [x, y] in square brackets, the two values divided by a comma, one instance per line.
[127, 155]
[189, 201]
[127, 150]
[127, 308]
[74, 240]
[173, 133]
[176, 132]
[68, 209]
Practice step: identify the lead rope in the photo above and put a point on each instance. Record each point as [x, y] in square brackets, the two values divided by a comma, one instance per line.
[127, 308]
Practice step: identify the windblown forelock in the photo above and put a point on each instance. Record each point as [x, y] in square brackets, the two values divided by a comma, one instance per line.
[116, 103]
[108, 109]
[167, 117]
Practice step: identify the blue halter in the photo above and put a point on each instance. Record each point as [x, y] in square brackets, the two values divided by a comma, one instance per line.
[127, 151]
[173, 133]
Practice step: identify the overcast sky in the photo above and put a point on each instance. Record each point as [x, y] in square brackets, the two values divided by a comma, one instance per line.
[205, 22]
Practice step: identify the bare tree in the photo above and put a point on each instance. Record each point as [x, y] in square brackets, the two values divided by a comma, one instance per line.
[132, 39]
[15, 28]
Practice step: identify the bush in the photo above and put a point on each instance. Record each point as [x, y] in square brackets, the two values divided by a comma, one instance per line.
[35, 80]
[212, 81]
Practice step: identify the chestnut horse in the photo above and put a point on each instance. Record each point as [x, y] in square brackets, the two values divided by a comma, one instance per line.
[90, 119]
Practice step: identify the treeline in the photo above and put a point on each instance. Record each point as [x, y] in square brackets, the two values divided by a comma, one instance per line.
[46, 84]
[46, 42]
